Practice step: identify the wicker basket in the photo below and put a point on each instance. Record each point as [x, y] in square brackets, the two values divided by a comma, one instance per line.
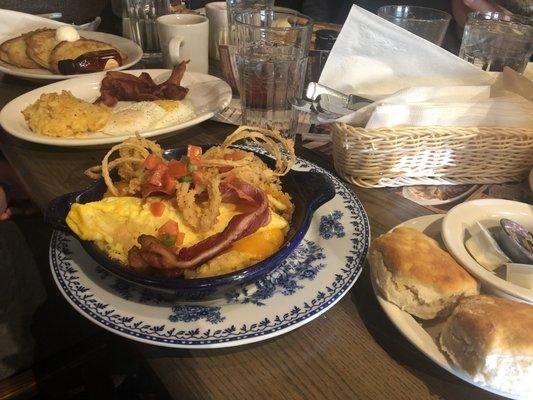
[390, 157]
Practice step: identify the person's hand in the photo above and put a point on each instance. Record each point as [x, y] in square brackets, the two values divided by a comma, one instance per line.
[461, 8]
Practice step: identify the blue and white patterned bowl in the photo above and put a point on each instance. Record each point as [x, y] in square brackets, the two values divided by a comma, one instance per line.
[308, 189]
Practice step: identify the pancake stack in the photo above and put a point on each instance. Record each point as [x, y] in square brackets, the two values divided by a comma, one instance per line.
[39, 49]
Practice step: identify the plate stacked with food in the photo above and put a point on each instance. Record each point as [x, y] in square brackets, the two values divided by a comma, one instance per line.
[207, 246]
[109, 106]
[444, 311]
[34, 47]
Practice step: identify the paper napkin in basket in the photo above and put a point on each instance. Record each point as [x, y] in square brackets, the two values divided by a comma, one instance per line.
[416, 83]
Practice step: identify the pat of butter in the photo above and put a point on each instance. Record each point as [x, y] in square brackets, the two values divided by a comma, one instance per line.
[67, 33]
[520, 274]
[484, 248]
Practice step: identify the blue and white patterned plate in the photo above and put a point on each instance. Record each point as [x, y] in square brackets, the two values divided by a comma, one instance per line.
[310, 281]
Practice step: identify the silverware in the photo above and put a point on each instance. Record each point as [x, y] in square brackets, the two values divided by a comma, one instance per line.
[330, 103]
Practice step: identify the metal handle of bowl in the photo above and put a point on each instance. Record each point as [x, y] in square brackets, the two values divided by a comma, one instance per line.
[318, 188]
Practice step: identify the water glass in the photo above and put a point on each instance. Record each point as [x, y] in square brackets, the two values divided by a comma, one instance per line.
[142, 15]
[495, 40]
[272, 51]
[427, 23]
[237, 6]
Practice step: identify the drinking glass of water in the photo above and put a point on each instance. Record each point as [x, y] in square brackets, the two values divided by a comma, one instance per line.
[494, 40]
[237, 6]
[142, 16]
[429, 23]
[272, 51]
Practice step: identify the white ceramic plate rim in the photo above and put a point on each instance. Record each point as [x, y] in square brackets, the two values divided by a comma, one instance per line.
[11, 118]
[349, 201]
[453, 228]
[411, 329]
[132, 49]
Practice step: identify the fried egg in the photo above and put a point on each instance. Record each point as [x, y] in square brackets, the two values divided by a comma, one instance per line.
[130, 117]
[115, 223]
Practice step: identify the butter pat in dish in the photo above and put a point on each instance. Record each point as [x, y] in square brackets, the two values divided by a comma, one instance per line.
[520, 274]
[484, 248]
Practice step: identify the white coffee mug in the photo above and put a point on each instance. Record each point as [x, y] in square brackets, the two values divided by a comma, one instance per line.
[216, 12]
[184, 37]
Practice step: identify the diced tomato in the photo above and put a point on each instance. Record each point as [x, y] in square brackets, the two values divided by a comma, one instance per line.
[157, 208]
[197, 178]
[179, 238]
[169, 183]
[177, 169]
[152, 161]
[169, 228]
[194, 153]
[157, 175]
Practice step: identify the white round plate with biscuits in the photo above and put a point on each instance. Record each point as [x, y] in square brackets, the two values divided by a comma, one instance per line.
[424, 334]
[14, 24]
[488, 212]
[206, 96]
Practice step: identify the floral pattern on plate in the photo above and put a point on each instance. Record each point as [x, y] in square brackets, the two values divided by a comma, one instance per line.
[310, 281]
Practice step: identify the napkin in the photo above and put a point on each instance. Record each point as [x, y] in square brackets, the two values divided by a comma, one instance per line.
[374, 58]
[416, 83]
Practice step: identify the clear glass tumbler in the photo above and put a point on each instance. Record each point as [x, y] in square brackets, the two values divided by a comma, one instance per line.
[237, 6]
[427, 23]
[142, 16]
[272, 51]
[495, 40]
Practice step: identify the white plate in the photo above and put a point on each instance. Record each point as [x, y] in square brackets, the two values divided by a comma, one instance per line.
[13, 23]
[423, 335]
[488, 212]
[207, 95]
[310, 281]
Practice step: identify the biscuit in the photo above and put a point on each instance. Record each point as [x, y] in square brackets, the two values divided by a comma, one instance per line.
[413, 272]
[492, 340]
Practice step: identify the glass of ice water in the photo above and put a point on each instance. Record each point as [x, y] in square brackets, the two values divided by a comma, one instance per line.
[142, 15]
[237, 6]
[429, 23]
[272, 51]
[494, 40]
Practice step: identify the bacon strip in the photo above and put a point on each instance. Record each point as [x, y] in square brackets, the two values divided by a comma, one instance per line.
[153, 253]
[117, 86]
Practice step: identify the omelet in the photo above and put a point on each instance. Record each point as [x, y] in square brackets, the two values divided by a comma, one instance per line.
[115, 223]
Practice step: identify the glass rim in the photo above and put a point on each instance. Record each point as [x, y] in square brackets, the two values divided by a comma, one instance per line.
[274, 28]
[444, 16]
[499, 16]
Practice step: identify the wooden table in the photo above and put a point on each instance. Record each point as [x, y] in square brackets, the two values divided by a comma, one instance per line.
[350, 352]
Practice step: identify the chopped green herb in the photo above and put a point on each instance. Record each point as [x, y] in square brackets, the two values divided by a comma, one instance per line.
[185, 159]
[186, 178]
[168, 240]
[192, 167]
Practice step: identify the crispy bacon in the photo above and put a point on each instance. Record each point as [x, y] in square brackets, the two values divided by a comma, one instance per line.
[155, 254]
[119, 86]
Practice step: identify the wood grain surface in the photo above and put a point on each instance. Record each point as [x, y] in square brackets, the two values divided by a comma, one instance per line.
[350, 352]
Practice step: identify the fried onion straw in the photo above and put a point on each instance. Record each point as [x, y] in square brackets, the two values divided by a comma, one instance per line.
[132, 151]
[267, 139]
